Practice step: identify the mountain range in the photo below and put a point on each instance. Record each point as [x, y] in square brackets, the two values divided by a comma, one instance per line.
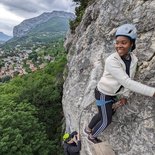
[56, 19]
[4, 37]
[44, 28]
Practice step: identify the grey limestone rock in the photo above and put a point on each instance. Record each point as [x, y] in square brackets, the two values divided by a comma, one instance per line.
[132, 131]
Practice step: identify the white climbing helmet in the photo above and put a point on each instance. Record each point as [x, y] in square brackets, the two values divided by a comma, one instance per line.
[128, 30]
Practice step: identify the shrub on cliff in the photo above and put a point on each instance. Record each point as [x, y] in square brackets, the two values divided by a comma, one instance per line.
[79, 11]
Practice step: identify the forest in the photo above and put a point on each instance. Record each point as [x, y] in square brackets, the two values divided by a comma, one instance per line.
[31, 111]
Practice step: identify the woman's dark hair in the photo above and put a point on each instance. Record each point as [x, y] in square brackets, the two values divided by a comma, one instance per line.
[134, 44]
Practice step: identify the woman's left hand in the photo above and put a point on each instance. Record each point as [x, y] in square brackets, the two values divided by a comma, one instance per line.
[120, 103]
[123, 101]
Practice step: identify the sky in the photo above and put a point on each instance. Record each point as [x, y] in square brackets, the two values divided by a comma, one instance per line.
[13, 12]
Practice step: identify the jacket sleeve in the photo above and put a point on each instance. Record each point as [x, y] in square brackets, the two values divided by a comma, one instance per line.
[115, 69]
[74, 149]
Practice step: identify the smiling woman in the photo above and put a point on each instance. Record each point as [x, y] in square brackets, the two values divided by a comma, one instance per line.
[117, 80]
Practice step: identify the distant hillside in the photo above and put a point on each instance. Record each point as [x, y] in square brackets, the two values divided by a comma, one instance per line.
[4, 37]
[28, 25]
[43, 29]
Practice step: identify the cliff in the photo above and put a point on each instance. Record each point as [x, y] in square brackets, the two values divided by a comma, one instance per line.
[132, 131]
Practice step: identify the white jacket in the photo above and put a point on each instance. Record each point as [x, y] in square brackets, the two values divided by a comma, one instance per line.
[115, 75]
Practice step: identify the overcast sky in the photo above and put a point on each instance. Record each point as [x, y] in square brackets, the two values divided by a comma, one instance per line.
[13, 12]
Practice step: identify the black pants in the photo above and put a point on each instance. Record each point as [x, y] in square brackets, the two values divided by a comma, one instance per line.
[104, 116]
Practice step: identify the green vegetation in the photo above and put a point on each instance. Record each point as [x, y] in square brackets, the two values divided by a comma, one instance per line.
[56, 24]
[54, 49]
[1, 63]
[79, 11]
[31, 110]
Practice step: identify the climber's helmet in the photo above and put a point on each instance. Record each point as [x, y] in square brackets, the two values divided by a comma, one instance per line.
[67, 137]
[128, 30]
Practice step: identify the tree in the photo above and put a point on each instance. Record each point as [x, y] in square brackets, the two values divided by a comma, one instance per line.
[20, 131]
[6, 78]
[1, 63]
[33, 56]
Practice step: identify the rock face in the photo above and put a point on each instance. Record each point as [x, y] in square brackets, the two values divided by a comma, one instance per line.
[24, 27]
[132, 131]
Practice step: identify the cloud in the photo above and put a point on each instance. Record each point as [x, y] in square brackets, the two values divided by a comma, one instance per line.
[6, 28]
[27, 8]
[15, 11]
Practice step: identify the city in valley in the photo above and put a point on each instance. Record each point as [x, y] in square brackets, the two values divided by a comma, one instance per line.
[19, 62]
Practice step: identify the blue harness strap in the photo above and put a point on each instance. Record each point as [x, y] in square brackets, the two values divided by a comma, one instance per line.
[102, 102]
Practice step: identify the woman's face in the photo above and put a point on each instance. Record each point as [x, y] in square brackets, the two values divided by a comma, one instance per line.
[123, 45]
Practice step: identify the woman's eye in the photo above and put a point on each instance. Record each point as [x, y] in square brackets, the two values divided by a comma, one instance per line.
[115, 42]
[123, 43]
